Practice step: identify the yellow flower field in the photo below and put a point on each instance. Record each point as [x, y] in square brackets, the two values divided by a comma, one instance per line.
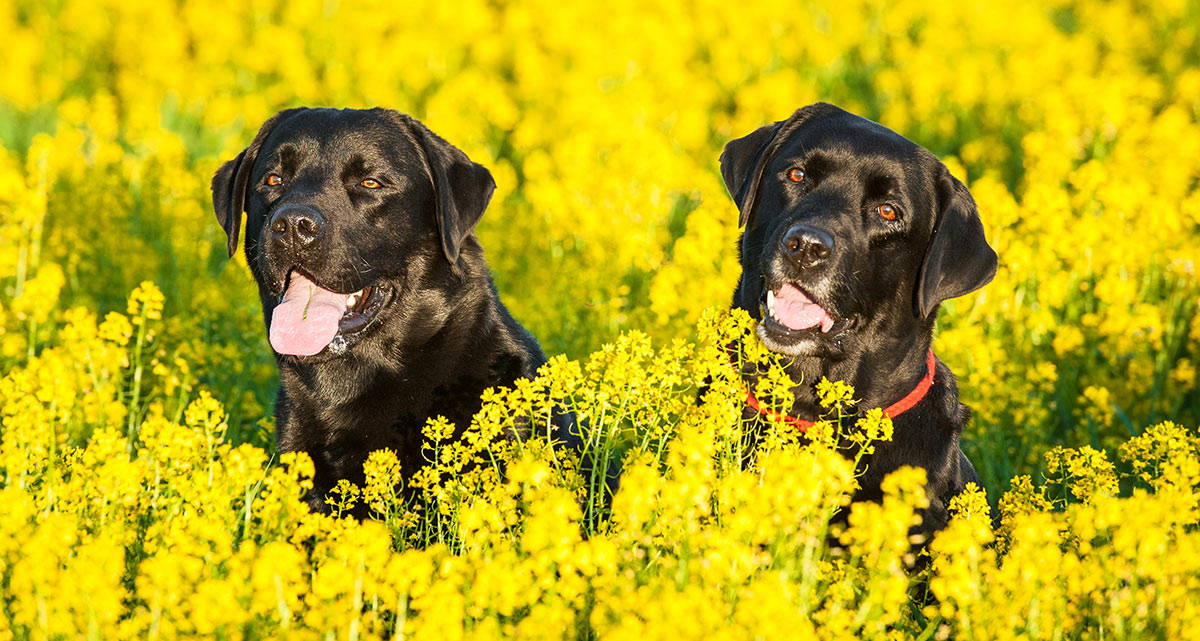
[140, 492]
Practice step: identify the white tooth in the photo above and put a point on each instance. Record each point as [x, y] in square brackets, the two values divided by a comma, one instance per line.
[351, 300]
[771, 302]
[357, 293]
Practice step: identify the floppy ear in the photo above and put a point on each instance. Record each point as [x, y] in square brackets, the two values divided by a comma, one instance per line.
[744, 159]
[230, 182]
[461, 188]
[742, 163]
[959, 259]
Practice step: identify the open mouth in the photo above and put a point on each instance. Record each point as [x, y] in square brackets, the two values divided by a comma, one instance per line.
[789, 312]
[309, 318]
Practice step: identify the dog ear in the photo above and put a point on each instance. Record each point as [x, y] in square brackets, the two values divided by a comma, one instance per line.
[462, 188]
[742, 163]
[230, 182]
[744, 159]
[959, 259]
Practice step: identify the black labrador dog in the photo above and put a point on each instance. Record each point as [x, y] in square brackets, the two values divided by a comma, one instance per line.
[381, 310]
[853, 237]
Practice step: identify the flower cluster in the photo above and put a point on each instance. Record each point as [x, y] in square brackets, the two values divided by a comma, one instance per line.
[171, 531]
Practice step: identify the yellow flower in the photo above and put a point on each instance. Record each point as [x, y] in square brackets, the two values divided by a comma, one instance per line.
[40, 294]
[1184, 373]
[834, 393]
[146, 302]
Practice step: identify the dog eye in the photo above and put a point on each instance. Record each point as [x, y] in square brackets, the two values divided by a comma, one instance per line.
[371, 183]
[273, 180]
[796, 174]
[887, 211]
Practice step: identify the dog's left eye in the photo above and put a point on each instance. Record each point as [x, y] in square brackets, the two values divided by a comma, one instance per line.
[796, 175]
[887, 212]
[371, 183]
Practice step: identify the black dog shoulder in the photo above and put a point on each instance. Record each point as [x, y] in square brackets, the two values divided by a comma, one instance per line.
[927, 436]
[853, 237]
[380, 307]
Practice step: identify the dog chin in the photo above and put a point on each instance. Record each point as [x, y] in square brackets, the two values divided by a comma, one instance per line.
[337, 348]
[808, 342]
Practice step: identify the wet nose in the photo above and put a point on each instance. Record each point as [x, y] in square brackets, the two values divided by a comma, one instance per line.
[297, 226]
[807, 246]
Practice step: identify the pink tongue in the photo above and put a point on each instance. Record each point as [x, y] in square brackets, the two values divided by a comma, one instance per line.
[796, 311]
[307, 319]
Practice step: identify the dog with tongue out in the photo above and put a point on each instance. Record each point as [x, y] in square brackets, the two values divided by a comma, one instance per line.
[853, 237]
[379, 306]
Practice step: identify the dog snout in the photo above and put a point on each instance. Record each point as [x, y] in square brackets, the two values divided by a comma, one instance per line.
[807, 246]
[297, 226]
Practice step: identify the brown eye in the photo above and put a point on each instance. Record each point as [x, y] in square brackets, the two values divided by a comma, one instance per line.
[274, 180]
[371, 183]
[796, 175]
[887, 211]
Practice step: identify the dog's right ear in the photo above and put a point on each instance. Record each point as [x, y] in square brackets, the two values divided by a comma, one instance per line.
[231, 180]
[742, 163]
[744, 159]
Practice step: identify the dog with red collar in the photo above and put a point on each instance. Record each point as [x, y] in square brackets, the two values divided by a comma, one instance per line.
[852, 237]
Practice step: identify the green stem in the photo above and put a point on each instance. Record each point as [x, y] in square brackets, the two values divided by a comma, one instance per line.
[136, 391]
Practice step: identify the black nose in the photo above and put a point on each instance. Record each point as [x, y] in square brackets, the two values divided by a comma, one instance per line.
[297, 225]
[807, 246]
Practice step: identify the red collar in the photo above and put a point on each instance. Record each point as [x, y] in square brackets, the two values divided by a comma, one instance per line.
[891, 411]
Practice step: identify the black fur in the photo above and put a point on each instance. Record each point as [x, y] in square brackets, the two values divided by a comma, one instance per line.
[441, 335]
[880, 280]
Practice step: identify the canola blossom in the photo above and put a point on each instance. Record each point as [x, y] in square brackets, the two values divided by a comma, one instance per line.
[142, 496]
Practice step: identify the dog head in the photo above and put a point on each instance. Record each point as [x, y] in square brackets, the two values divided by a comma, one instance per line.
[851, 231]
[348, 211]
